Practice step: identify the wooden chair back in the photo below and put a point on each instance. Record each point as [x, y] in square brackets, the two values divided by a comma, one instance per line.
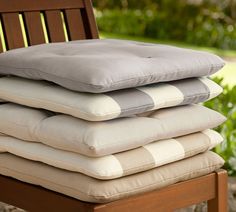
[30, 22]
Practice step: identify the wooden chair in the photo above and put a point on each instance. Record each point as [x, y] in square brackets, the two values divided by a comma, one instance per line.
[30, 22]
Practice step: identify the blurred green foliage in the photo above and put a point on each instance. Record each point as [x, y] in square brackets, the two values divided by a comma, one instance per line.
[200, 22]
[226, 105]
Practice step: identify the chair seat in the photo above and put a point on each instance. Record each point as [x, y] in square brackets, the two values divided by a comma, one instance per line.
[38, 199]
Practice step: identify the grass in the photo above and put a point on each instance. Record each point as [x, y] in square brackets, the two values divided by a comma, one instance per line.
[228, 72]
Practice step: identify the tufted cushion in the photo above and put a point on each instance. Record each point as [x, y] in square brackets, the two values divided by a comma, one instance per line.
[104, 138]
[117, 165]
[104, 65]
[99, 107]
[90, 189]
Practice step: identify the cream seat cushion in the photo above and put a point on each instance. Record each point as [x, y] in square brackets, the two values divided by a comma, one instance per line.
[104, 138]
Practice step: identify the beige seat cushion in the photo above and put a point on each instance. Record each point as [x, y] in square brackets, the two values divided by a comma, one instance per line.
[93, 190]
[121, 164]
[104, 138]
[106, 106]
[103, 65]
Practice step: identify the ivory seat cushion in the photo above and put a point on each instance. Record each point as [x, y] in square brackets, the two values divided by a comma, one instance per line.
[117, 165]
[104, 65]
[99, 107]
[90, 189]
[104, 138]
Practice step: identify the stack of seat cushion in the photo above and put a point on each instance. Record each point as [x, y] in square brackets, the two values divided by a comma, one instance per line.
[100, 120]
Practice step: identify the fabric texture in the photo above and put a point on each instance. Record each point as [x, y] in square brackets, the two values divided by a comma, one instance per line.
[90, 189]
[100, 107]
[121, 164]
[103, 65]
[104, 138]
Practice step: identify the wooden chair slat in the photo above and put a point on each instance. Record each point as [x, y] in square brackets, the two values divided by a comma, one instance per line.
[89, 20]
[55, 26]
[34, 28]
[38, 5]
[75, 24]
[78, 14]
[13, 31]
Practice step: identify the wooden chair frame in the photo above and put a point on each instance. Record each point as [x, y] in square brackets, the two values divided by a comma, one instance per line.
[31, 22]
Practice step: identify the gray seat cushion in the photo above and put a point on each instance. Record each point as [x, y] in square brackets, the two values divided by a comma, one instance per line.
[104, 65]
